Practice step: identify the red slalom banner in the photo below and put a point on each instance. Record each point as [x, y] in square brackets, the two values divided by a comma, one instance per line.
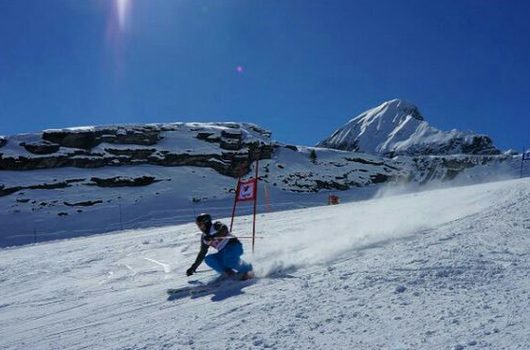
[246, 190]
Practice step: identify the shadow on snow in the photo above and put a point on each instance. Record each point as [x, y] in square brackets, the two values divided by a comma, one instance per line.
[219, 290]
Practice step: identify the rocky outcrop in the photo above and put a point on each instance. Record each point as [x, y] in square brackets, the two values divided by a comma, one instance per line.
[75, 159]
[208, 137]
[143, 153]
[116, 181]
[3, 141]
[83, 204]
[4, 191]
[314, 182]
[446, 168]
[231, 140]
[341, 172]
[232, 164]
[88, 138]
[124, 181]
[480, 145]
[477, 145]
[42, 147]
[239, 145]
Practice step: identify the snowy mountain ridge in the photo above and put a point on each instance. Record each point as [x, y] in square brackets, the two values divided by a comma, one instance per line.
[397, 127]
[79, 181]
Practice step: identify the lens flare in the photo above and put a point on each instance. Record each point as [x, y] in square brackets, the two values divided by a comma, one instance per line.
[119, 21]
[122, 12]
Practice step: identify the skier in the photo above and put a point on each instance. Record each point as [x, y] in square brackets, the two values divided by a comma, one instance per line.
[230, 249]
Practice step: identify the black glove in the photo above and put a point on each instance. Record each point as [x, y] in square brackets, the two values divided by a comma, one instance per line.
[190, 271]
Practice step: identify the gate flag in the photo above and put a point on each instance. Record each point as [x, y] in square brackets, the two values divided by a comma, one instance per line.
[246, 190]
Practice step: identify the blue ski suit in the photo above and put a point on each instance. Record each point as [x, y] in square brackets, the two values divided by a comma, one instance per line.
[229, 251]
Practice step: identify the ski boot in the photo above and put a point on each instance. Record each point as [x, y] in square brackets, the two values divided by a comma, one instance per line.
[247, 276]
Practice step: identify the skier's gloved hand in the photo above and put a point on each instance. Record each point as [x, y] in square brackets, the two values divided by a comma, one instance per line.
[190, 271]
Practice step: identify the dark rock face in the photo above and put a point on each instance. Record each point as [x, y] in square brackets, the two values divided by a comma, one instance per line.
[341, 146]
[117, 181]
[42, 147]
[90, 138]
[124, 181]
[82, 139]
[446, 168]
[232, 164]
[4, 191]
[232, 134]
[229, 164]
[231, 140]
[330, 185]
[408, 109]
[208, 137]
[132, 153]
[379, 178]
[83, 204]
[480, 145]
[352, 172]
[364, 161]
[3, 141]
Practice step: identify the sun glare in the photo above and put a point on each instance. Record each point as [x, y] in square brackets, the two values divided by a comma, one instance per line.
[122, 12]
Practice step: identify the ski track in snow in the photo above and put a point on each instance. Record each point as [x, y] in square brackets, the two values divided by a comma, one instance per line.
[165, 266]
[445, 269]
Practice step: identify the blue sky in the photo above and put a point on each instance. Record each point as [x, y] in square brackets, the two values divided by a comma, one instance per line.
[305, 67]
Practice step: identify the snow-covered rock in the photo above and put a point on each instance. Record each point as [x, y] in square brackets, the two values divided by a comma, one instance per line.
[397, 127]
[229, 148]
[309, 169]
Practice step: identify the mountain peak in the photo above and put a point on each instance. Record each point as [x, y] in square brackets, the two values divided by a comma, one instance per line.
[396, 127]
[400, 107]
[408, 108]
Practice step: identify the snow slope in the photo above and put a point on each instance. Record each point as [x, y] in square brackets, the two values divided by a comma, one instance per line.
[397, 127]
[443, 269]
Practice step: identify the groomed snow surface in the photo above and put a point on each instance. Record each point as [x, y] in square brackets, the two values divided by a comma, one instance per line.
[444, 269]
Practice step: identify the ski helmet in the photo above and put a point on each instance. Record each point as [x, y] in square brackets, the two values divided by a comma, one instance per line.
[204, 218]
